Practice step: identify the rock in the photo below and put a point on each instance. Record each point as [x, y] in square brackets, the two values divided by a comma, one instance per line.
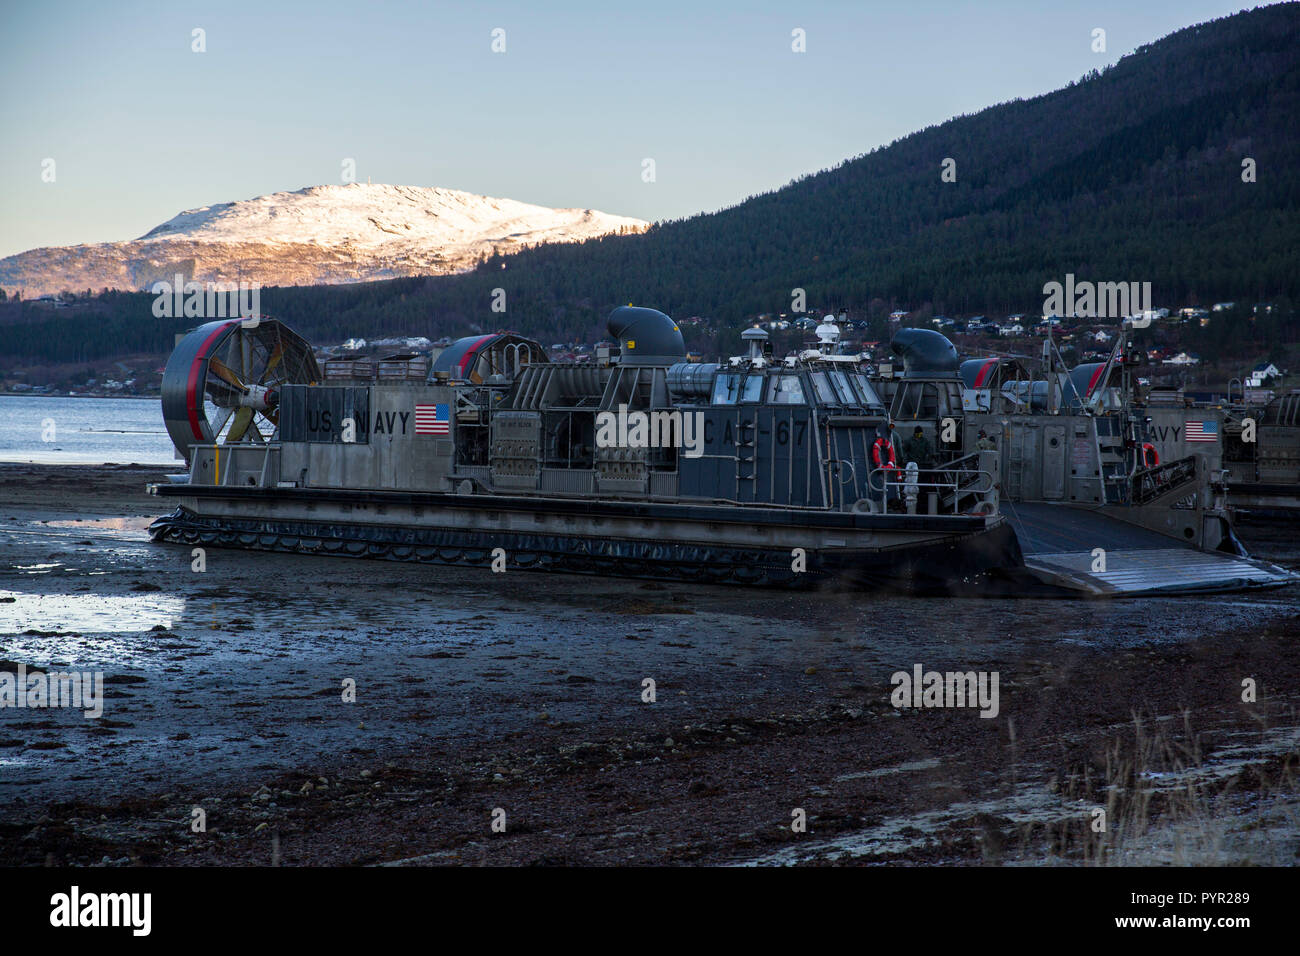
[668, 742]
[365, 774]
[810, 671]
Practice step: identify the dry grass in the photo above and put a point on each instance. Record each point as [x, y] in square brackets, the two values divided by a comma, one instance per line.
[1165, 804]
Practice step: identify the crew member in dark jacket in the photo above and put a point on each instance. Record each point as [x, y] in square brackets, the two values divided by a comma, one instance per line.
[918, 449]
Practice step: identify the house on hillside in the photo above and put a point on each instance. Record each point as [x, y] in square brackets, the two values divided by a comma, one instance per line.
[1261, 373]
[1183, 358]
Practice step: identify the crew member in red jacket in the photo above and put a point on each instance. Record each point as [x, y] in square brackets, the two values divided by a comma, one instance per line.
[882, 457]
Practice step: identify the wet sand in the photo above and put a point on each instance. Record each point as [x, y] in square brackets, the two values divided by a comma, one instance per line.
[523, 692]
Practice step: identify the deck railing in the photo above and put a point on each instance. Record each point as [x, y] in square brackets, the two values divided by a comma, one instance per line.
[961, 486]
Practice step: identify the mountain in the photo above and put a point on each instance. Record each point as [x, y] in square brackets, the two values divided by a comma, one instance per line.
[317, 235]
[1133, 173]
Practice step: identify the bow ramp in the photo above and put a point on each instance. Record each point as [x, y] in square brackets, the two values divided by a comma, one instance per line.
[1060, 542]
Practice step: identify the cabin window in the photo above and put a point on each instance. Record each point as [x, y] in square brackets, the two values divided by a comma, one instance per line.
[823, 389]
[919, 401]
[840, 382]
[726, 389]
[868, 394]
[786, 390]
[753, 390]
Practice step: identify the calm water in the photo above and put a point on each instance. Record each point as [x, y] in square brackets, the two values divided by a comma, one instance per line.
[85, 431]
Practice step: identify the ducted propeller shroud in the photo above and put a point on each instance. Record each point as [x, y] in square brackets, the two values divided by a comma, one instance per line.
[221, 384]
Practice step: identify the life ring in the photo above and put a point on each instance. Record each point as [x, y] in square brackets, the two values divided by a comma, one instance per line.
[1150, 457]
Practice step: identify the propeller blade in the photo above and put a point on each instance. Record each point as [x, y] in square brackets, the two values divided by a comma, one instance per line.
[243, 418]
[224, 373]
[272, 362]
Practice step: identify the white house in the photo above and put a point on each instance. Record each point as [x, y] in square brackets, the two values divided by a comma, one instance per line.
[1183, 358]
[1262, 373]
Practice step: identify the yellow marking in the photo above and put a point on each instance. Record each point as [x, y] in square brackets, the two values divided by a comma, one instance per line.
[631, 344]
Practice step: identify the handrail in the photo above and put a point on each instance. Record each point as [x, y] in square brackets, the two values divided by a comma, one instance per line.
[910, 485]
[1151, 483]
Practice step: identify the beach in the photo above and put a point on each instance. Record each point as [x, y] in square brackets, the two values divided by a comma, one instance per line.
[324, 710]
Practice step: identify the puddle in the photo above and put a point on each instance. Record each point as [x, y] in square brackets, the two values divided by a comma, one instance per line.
[140, 524]
[1030, 803]
[1204, 841]
[37, 568]
[87, 613]
[928, 764]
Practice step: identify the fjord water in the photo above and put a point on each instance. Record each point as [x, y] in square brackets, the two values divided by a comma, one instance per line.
[83, 431]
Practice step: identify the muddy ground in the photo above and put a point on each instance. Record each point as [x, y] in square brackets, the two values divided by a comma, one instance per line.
[485, 697]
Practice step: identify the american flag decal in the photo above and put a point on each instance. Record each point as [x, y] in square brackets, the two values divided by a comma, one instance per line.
[1201, 431]
[433, 419]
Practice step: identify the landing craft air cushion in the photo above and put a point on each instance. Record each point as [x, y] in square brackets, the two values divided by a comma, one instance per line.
[751, 471]
[496, 447]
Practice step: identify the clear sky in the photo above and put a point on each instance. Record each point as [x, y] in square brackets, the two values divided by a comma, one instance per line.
[141, 127]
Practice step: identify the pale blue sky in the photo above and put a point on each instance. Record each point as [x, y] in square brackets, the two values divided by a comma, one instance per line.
[140, 127]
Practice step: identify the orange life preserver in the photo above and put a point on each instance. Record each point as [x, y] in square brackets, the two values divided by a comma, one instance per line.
[1150, 457]
[885, 458]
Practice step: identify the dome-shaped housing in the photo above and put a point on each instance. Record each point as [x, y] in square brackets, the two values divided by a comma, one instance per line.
[646, 336]
[925, 352]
